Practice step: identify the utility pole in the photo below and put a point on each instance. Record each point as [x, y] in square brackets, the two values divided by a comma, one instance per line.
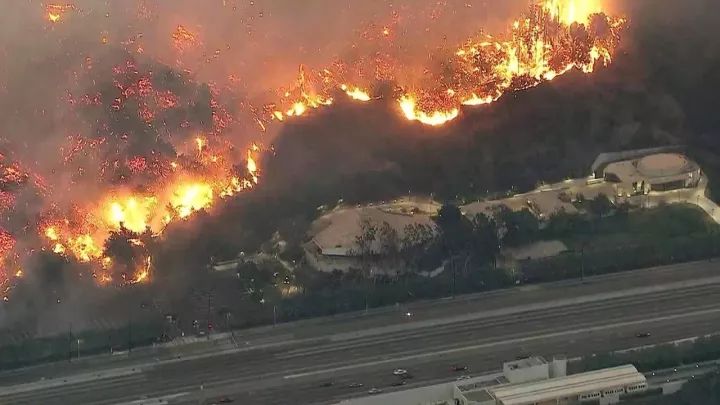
[129, 330]
[274, 315]
[209, 295]
[70, 342]
[582, 264]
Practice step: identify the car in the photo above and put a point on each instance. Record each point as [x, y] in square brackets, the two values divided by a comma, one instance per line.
[225, 400]
[463, 377]
[373, 391]
[398, 383]
[399, 371]
[643, 335]
[356, 385]
[458, 368]
[327, 384]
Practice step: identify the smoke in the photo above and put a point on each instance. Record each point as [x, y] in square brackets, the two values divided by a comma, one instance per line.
[85, 88]
[661, 89]
[228, 57]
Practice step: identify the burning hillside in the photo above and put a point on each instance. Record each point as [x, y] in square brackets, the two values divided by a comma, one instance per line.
[552, 38]
[145, 143]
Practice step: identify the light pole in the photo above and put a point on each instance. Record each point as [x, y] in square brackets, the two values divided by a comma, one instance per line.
[70, 342]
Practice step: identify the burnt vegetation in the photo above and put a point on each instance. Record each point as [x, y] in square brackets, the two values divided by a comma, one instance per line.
[660, 90]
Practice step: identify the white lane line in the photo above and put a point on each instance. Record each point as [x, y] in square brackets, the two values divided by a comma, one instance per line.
[163, 400]
[489, 322]
[503, 342]
[522, 308]
[75, 379]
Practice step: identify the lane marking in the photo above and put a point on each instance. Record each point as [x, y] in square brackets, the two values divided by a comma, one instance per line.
[162, 400]
[72, 380]
[501, 343]
[522, 308]
[480, 323]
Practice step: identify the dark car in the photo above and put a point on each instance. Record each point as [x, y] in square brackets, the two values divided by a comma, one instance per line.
[643, 335]
[327, 384]
[459, 368]
[356, 385]
[399, 383]
[406, 376]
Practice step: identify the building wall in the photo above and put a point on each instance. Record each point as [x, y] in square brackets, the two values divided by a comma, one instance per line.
[528, 373]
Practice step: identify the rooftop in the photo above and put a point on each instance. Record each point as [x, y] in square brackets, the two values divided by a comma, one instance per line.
[593, 381]
[479, 396]
[656, 166]
[524, 363]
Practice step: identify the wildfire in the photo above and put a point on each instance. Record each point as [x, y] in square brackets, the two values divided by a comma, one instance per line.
[552, 38]
[192, 197]
[183, 38]
[56, 11]
[147, 188]
[84, 236]
[356, 93]
[408, 105]
[131, 213]
[572, 11]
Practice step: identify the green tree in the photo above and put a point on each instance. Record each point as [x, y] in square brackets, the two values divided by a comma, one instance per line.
[485, 242]
[455, 236]
[519, 227]
[390, 247]
[254, 281]
[600, 206]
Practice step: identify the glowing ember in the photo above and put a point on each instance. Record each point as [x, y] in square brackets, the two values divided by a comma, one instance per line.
[164, 164]
[56, 11]
[183, 38]
[552, 38]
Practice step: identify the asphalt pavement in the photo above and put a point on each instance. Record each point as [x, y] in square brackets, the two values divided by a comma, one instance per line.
[317, 361]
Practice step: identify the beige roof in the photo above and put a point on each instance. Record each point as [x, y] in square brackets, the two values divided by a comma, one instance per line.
[561, 387]
[487, 207]
[337, 238]
[653, 167]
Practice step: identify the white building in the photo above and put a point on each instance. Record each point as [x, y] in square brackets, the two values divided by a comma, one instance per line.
[604, 386]
[658, 172]
[531, 381]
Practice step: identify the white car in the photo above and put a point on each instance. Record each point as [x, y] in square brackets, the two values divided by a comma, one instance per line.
[399, 371]
[374, 391]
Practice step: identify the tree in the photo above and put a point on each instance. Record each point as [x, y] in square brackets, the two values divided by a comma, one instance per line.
[518, 227]
[365, 243]
[455, 235]
[600, 206]
[485, 243]
[455, 229]
[414, 246]
[389, 245]
[253, 280]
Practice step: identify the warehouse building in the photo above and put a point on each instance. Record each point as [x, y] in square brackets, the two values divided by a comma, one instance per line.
[530, 381]
[601, 386]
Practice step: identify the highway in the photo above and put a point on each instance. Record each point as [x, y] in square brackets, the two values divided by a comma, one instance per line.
[314, 362]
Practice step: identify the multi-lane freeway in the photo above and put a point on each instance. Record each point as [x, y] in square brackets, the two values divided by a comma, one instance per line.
[316, 361]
